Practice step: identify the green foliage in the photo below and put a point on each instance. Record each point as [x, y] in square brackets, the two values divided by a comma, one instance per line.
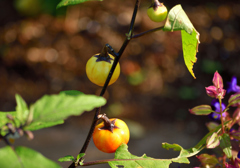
[66, 158]
[129, 160]
[72, 2]
[190, 48]
[225, 144]
[21, 109]
[133, 161]
[24, 157]
[178, 20]
[71, 92]
[53, 109]
[126, 159]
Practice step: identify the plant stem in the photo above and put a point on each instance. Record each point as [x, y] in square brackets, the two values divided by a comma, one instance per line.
[147, 32]
[116, 60]
[220, 102]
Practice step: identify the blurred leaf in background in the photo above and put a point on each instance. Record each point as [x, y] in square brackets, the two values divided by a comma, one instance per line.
[35, 7]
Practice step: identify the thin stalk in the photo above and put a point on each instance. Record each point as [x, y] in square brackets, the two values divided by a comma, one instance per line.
[147, 32]
[116, 60]
[108, 160]
[220, 102]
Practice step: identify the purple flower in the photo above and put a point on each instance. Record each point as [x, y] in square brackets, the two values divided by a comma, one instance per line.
[216, 107]
[238, 155]
[232, 86]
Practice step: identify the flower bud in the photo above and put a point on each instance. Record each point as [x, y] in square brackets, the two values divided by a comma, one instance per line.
[211, 91]
[217, 80]
[208, 160]
[201, 110]
[29, 135]
[234, 100]
[216, 91]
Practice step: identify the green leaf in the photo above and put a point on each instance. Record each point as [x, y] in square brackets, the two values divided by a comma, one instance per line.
[21, 109]
[53, 109]
[178, 20]
[71, 92]
[125, 158]
[182, 158]
[8, 158]
[67, 158]
[190, 48]
[40, 125]
[72, 2]
[80, 155]
[133, 161]
[24, 157]
[225, 144]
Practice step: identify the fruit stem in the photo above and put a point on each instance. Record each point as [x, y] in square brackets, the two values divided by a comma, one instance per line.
[155, 4]
[107, 122]
[108, 125]
[111, 50]
[104, 52]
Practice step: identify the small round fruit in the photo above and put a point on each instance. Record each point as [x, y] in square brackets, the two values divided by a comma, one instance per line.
[157, 13]
[98, 68]
[109, 140]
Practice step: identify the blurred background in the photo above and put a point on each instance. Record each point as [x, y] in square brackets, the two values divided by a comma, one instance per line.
[44, 51]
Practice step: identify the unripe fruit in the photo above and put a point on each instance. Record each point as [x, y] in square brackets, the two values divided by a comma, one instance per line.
[157, 12]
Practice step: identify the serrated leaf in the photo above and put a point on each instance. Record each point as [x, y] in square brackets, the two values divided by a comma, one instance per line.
[234, 100]
[178, 20]
[53, 109]
[225, 144]
[190, 48]
[129, 160]
[182, 158]
[66, 158]
[72, 2]
[186, 153]
[24, 157]
[21, 109]
[40, 125]
[126, 159]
